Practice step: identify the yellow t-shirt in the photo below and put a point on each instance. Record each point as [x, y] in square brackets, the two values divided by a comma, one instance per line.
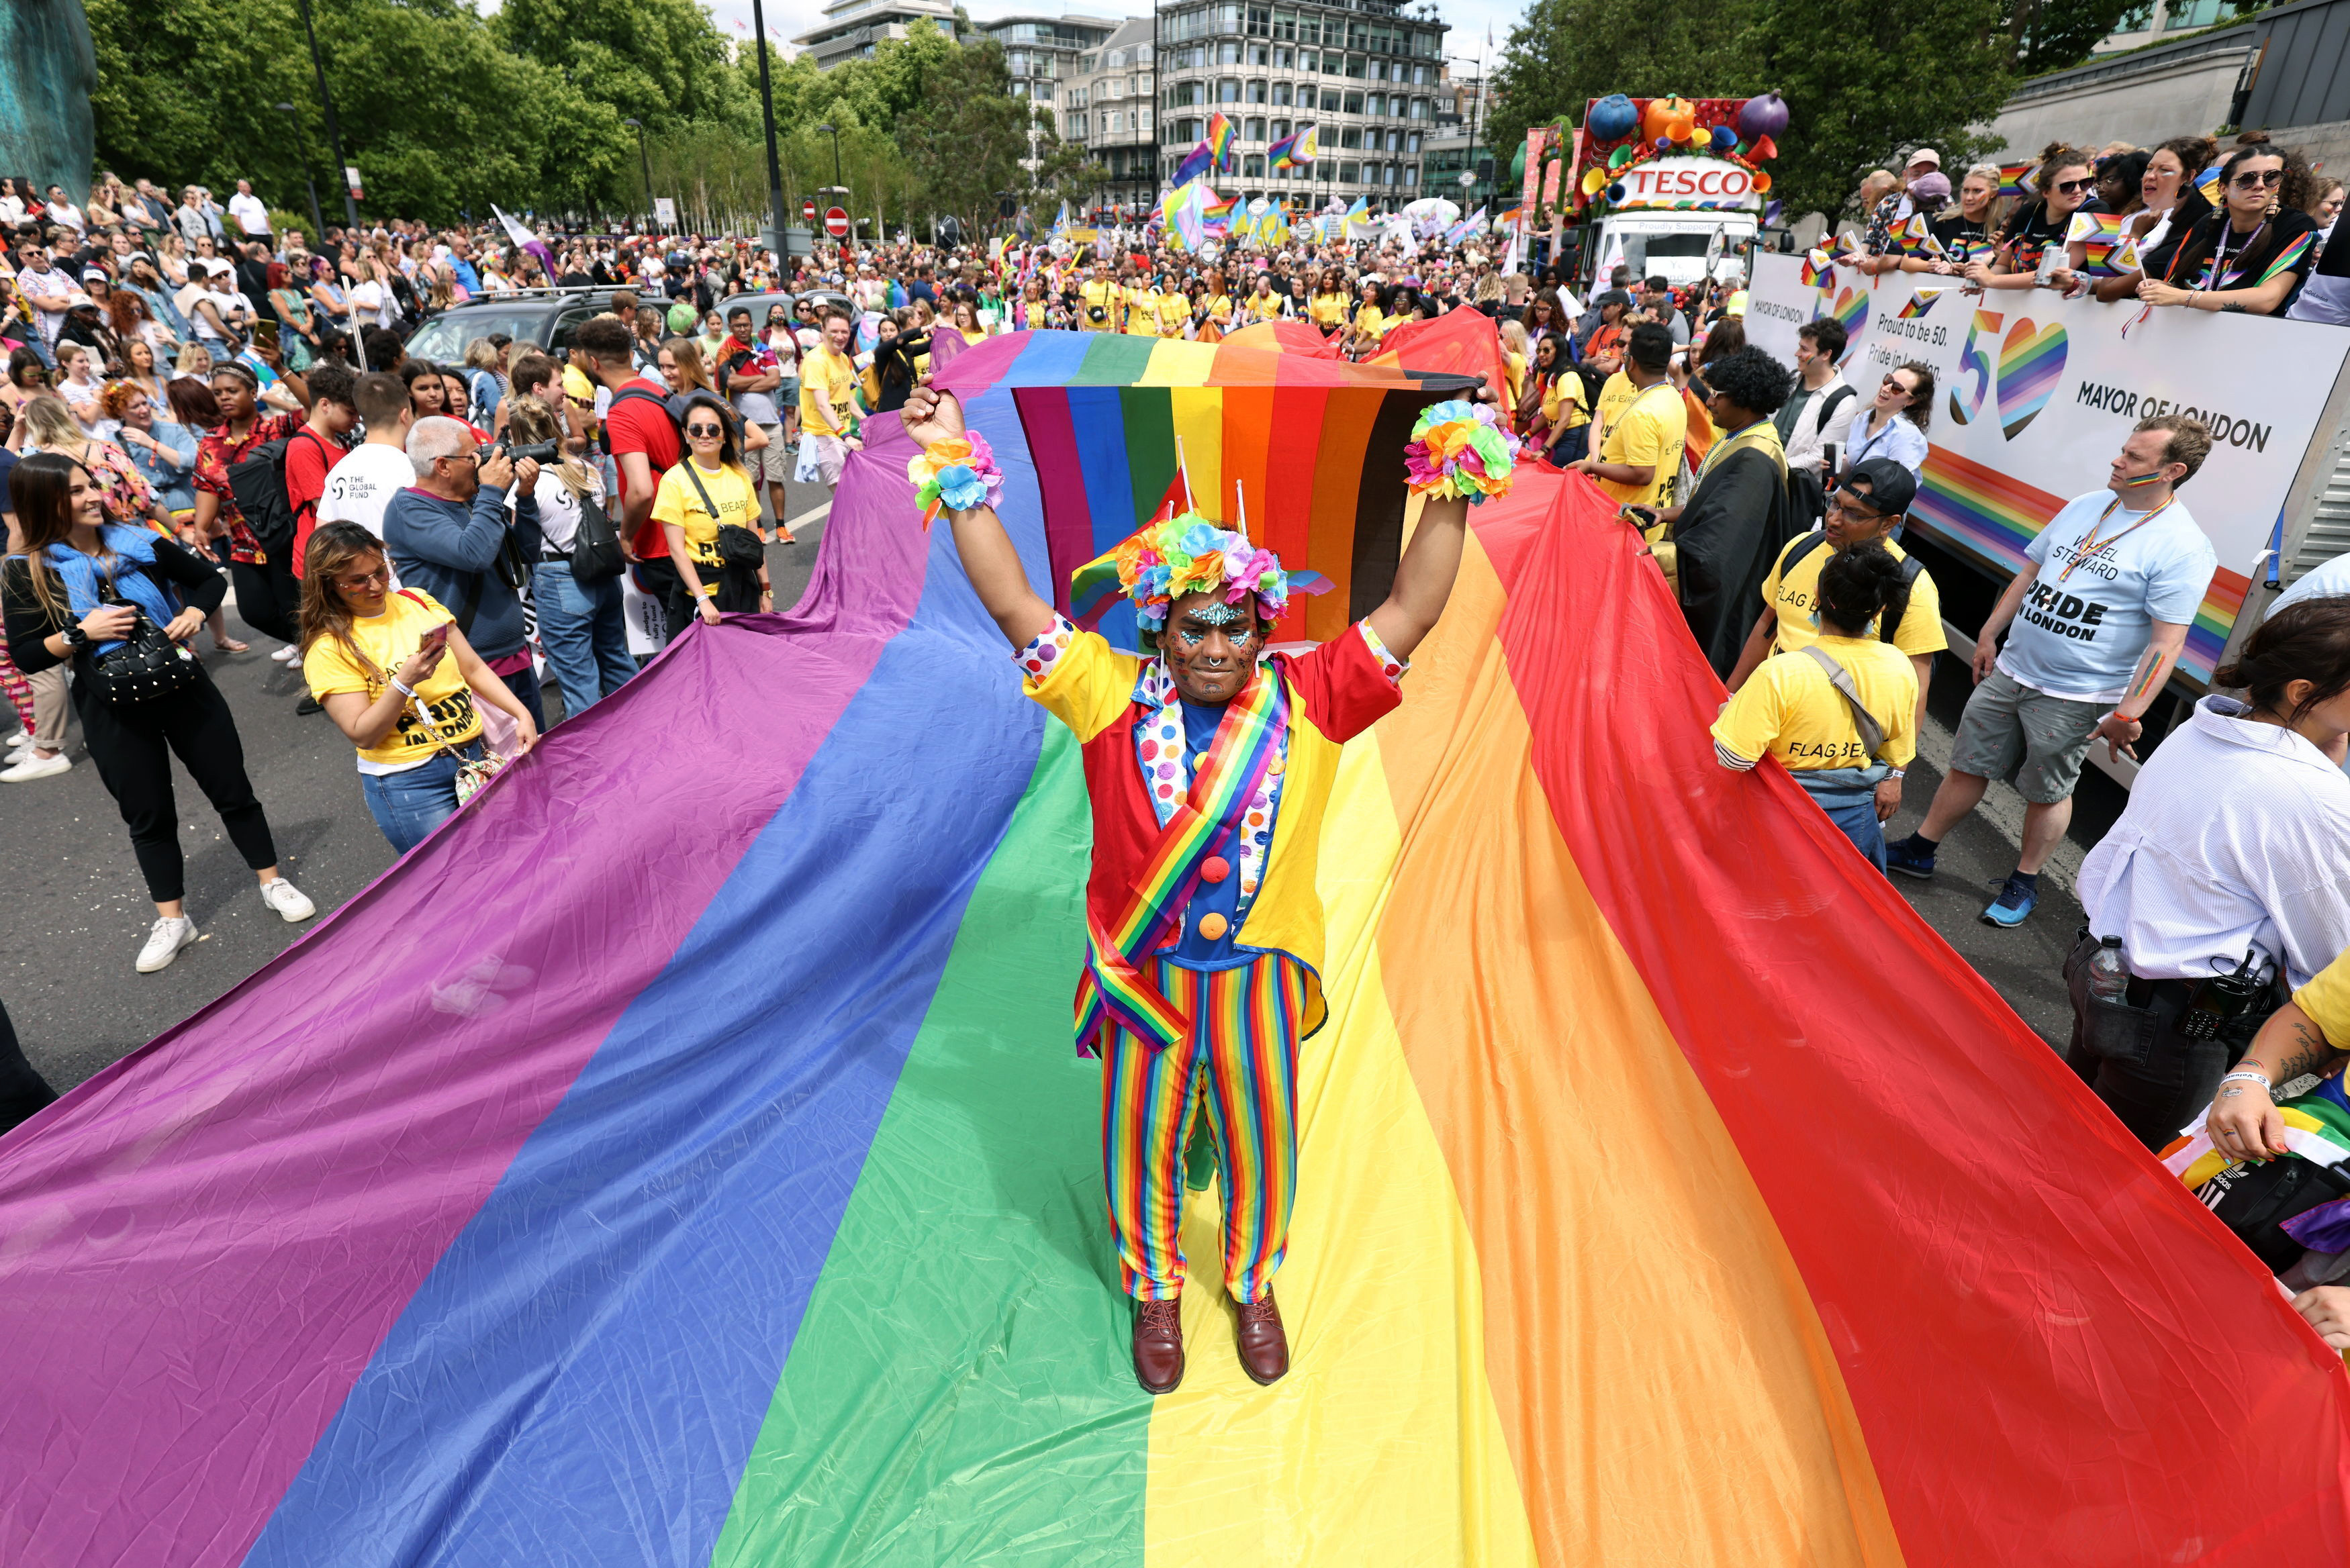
[1262, 307]
[1789, 707]
[1561, 402]
[1370, 323]
[1327, 309]
[1650, 429]
[828, 392]
[579, 389]
[1795, 595]
[676, 501]
[1219, 310]
[1099, 293]
[2326, 1000]
[447, 716]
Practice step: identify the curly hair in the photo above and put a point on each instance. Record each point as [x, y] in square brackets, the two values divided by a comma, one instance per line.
[1921, 402]
[116, 399]
[1752, 379]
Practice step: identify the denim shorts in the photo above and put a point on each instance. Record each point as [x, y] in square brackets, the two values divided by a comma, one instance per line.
[408, 804]
[2028, 738]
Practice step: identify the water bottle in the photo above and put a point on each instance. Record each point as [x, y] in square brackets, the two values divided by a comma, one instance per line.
[2109, 974]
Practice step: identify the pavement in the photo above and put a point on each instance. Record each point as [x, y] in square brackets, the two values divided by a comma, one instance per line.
[75, 913]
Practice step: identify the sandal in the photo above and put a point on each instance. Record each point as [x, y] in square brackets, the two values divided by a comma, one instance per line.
[230, 645]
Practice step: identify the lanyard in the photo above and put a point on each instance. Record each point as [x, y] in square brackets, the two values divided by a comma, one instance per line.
[2091, 543]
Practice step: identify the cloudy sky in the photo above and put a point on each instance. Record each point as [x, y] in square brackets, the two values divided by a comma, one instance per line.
[790, 18]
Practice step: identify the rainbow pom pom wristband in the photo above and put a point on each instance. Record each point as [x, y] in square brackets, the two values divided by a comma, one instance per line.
[954, 475]
[1459, 450]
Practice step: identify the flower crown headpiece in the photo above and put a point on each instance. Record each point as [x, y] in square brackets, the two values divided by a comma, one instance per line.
[1190, 554]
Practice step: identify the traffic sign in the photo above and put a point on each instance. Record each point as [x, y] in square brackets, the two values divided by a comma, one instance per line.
[836, 223]
[807, 211]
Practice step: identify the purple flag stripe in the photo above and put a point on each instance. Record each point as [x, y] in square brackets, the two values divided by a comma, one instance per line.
[167, 1313]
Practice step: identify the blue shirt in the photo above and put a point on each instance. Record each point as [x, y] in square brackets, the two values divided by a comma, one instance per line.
[2080, 633]
[1902, 441]
[451, 551]
[175, 487]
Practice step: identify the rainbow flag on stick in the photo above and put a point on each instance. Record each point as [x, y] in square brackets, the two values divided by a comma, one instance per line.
[2099, 235]
[1219, 143]
[764, 1226]
[1296, 149]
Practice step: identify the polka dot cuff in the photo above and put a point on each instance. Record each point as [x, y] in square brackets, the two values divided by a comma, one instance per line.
[1390, 665]
[1036, 660]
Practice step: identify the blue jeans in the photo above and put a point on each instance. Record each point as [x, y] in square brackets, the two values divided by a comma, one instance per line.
[408, 806]
[581, 628]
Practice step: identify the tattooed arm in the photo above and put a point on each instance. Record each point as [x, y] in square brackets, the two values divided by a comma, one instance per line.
[2244, 1120]
[2121, 727]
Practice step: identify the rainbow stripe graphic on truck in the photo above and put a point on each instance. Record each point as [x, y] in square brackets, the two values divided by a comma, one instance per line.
[2031, 362]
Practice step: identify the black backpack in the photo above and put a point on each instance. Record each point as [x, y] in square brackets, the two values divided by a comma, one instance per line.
[1910, 567]
[256, 482]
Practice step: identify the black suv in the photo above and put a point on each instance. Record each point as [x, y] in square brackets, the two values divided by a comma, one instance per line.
[543, 319]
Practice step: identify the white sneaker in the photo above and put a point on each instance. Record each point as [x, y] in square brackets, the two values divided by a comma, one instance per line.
[287, 900]
[31, 764]
[284, 655]
[163, 943]
[20, 740]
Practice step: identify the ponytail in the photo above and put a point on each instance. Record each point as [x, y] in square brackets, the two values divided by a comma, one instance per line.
[1859, 585]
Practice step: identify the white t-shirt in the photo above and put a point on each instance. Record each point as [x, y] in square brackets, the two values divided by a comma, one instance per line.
[558, 508]
[371, 300]
[2080, 633]
[250, 214]
[360, 485]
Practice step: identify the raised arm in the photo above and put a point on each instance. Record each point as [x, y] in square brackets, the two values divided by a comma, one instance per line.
[989, 559]
[1423, 579]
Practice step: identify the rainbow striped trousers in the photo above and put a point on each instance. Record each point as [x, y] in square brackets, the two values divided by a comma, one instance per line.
[1239, 1068]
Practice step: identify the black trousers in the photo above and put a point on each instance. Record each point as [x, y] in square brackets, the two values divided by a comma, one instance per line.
[269, 597]
[23, 1091]
[2132, 1057]
[133, 750]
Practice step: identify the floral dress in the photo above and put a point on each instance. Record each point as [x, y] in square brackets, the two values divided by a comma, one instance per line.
[216, 453]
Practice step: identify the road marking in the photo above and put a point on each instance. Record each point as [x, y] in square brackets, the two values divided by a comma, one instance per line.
[813, 515]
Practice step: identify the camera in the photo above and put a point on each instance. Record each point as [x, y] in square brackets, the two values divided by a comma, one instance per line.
[543, 452]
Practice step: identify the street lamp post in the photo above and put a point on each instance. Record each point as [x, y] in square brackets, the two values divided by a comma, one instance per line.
[318, 218]
[334, 136]
[767, 114]
[647, 163]
[839, 189]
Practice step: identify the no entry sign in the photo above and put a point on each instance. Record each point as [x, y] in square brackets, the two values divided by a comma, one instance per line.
[836, 223]
[807, 212]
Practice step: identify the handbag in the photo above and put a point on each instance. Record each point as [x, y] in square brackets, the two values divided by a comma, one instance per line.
[471, 772]
[738, 548]
[144, 665]
[596, 545]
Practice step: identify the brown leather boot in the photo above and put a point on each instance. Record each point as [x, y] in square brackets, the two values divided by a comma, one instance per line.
[1265, 1346]
[1159, 1344]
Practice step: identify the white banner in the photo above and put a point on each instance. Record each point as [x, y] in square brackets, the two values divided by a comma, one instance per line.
[2034, 394]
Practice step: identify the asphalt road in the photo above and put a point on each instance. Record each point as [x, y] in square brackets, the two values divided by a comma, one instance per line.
[74, 914]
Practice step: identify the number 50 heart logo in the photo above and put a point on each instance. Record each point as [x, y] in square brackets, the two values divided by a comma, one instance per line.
[2030, 362]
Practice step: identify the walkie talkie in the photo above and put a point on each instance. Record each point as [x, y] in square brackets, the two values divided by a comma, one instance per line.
[2221, 997]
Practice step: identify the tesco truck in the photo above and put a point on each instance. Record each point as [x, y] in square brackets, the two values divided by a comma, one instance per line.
[1682, 219]
[1672, 187]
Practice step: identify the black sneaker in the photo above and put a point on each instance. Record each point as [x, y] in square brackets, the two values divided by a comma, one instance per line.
[308, 705]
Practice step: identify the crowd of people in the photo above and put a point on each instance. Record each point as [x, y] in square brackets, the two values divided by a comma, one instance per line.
[197, 406]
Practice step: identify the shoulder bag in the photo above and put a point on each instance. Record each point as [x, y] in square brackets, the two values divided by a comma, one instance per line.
[145, 664]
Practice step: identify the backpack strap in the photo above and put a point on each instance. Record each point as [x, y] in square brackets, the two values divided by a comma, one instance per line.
[1829, 404]
[1872, 734]
[1887, 627]
[1803, 546]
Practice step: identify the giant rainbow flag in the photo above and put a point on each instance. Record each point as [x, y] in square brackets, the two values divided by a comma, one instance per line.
[679, 1160]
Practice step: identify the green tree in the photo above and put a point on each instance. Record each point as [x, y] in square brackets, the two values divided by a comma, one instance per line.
[1564, 53]
[659, 61]
[2049, 34]
[968, 138]
[1895, 79]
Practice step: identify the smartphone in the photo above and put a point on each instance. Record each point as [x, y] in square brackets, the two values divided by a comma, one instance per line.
[1640, 517]
[266, 331]
[438, 638]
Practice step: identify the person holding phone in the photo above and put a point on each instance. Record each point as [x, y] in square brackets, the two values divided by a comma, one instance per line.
[394, 673]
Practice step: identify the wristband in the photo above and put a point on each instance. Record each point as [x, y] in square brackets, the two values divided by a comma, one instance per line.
[2250, 1074]
[405, 691]
[1459, 450]
[954, 474]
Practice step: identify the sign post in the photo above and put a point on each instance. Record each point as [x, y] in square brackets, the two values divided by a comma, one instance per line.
[665, 212]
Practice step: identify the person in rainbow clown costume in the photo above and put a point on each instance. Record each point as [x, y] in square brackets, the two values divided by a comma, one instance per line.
[1209, 763]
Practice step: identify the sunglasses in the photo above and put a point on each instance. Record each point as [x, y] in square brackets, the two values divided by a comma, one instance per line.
[1896, 386]
[381, 575]
[2070, 187]
[701, 431]
[2258, 179]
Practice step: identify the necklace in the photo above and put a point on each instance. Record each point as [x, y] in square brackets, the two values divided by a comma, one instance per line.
[2211, 274]
[2093, 542]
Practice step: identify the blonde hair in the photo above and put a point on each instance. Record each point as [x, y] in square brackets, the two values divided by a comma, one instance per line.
[51, 423]
[195, 359]
[530, 421]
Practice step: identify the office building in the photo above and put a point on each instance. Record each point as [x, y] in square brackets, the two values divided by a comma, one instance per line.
[1368, 73]
[852, 27]
[1109, 109]
[1042, 52]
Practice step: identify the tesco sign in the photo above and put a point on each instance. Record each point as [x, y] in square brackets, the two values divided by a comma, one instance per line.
[1667, 181]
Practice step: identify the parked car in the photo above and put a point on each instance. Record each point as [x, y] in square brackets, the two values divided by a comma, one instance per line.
[543, 319]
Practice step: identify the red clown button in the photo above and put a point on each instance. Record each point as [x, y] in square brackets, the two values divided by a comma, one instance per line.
[1214, 868]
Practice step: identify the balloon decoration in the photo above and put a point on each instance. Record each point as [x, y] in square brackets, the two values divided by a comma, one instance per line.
[1612, 118]
[1762, 119]
[1664, 114]
[1621, 132]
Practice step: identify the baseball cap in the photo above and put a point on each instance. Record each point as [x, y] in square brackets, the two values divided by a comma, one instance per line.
[1924, 155]
[1891, 487]
[1930, 188]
